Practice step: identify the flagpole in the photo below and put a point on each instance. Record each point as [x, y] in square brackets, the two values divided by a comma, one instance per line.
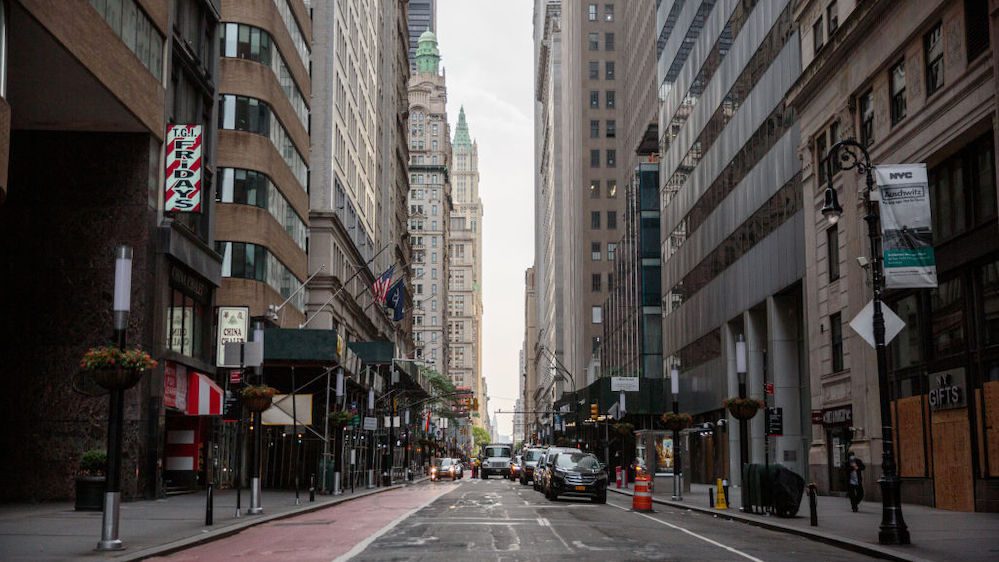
[344, 286]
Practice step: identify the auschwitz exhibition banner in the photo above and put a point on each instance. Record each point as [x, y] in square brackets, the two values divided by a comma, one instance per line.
[906, 228]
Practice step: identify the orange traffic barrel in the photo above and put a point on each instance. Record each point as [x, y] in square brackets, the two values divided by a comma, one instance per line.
[642, 499]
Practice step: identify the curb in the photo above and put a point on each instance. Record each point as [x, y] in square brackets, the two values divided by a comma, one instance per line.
[828, 538]
[214, 535]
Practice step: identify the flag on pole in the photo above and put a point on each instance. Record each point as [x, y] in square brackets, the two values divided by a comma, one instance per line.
[426, 421]
[381, 285]
[396, 300]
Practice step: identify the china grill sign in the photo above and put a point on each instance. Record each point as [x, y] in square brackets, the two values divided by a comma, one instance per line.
[183, 168]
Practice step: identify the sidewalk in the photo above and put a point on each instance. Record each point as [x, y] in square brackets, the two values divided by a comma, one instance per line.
[936, 534]
[54, 531]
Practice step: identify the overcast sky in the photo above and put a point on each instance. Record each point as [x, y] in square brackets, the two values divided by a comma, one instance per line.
[486, 49]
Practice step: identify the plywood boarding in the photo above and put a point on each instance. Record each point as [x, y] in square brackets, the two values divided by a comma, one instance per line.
[911, 439]
[953, 481]
[928, 431]
[991, 391]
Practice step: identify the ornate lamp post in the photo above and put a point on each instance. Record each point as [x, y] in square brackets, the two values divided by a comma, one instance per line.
[674, 382]
[853, 155]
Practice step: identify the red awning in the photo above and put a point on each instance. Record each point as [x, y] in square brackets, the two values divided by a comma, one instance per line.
[204, 397]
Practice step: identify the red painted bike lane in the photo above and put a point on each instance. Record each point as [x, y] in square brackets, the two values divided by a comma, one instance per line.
[321, 535]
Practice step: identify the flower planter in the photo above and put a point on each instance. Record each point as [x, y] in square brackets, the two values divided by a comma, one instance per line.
[676, 422]
[116, 378]
[743, 411]
[89, 493]
[258, 403]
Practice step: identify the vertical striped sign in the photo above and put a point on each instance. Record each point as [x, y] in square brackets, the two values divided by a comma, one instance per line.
[183, 169]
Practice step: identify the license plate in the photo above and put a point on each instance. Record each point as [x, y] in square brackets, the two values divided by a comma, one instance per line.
[580, 488]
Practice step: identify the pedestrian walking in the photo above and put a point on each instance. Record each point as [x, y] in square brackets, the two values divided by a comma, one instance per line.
[855, 481]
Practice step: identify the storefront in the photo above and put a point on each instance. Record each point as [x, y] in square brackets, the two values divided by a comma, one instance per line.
[837, 425]
[191, 399]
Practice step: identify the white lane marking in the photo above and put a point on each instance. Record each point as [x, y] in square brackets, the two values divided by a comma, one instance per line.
[359, 547]
[693, 534]
[543, 522]
[581, 544]
[558, 536]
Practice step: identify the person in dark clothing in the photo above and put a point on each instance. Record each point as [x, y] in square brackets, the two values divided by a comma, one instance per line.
[855, 481]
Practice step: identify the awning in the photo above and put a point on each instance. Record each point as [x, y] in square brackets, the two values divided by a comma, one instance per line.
[204, 397]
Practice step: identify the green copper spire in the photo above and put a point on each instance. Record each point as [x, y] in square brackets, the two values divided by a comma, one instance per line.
[461, 137]
[428, 58]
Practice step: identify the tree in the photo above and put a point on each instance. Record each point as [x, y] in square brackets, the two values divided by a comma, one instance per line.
[481, 436]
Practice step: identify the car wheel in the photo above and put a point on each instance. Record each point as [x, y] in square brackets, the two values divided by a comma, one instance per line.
[484, 476]
[523, 481]
[551, 495]
[602, 498]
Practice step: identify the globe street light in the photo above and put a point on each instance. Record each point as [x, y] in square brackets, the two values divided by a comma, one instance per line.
[740, 369]
[853, 155]
[674, 380]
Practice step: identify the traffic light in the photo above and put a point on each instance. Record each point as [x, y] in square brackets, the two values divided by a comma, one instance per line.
[594, 413]
[475, 404]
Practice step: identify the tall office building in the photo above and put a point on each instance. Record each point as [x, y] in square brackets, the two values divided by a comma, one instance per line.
[732, 220]
[464, 319]
[422, 17]
[529, 358]
[87, 91]
[430, 203]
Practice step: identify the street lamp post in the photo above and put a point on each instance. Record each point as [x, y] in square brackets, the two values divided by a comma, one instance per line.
[116, 402]
[740, 369]
[855, 156]
[258, 433]
[674, 380]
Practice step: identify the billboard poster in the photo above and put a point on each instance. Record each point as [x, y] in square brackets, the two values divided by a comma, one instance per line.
[183, 169]
[906, 228]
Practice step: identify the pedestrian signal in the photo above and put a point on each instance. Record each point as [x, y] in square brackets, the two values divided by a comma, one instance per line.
[594, 412]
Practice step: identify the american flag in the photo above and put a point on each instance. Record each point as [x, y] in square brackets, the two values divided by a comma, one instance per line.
[381, 286]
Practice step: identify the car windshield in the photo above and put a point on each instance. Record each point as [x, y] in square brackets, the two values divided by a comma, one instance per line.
[581, 460]
[532, 455]
[497, 451]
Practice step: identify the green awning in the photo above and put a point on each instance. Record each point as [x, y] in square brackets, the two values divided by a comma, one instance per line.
[373, 352]
[289, 346]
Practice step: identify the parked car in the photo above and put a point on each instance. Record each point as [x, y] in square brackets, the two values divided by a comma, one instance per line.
[496, 460]
[445, 468]
[529, 462]
[578, 475]
[545, 473]
[515, 467]
[539, 470]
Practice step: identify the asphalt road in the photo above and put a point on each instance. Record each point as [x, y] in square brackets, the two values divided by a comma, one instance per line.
[502, 520]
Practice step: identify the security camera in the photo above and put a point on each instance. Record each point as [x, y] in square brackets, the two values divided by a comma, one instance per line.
[863, 262]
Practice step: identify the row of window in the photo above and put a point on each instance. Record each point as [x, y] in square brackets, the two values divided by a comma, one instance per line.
[241, 113]
[591, 12]
[135, 28]
[610, 99]
[610, 128]
[249, 187]
[595, 189]
[596, 254]
[301, 45]
[593, 41]
[596, 282]
[244, 260]
[831, 20]
[594, 70]
[595, 158]
[252, 43]
[611, 220]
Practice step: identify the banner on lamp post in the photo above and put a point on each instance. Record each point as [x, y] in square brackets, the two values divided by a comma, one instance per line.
[906, 226]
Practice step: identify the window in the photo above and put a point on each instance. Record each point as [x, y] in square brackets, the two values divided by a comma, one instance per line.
[595, 251]
[832, 17]
[593, 41]
[594, 189]
[595, 220]
[962, 188]
[610, 99]
[933, 54]
[821, 157]
[595, 158]
[594, 99]
[609, 12]
[906, 348]
[591, 13]
[608, 41]
[947, 318]
[136, 30]
[594, 129]
[595, 344]
[611, 220]
[595, 282]
[597, 314]
[611, 158]
[989, 279]
[251, 261]
[611, 189]
[817, 30]
[836, 339]
[243, 113]
[611, 128]
[867, 118]
[832, 251]
[976, 27]
[594, 69]
[609, 70]
[247, 187]
[611, 251]
[896, 79]
[610, 282]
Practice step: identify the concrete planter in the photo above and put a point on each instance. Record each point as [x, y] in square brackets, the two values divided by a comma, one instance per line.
[89, 493]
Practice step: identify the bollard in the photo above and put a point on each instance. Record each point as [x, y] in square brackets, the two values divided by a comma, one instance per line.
[209, 506]
[725, 491]
[617, 476]
[813, 506]
[711, 497]
[312, 487]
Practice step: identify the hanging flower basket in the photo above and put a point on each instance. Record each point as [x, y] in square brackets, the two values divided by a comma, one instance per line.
[340, 418]
[258, 398]
[676, 422]
[743, 408]
[116, 369]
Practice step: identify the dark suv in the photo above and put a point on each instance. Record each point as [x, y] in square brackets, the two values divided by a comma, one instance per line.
[576, 474]
[542, 472]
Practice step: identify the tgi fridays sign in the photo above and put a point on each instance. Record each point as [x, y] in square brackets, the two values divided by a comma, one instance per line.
[183, 168]
[234, 324]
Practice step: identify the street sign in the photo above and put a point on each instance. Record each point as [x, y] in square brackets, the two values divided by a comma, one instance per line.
[775, 421]
[235, 377]
[370, 424]
[233, 326]
[355, 421]
[863, 323]
[629, 384]
[769, 388]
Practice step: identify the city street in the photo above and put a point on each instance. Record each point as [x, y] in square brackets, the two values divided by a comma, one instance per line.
[502, 520]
